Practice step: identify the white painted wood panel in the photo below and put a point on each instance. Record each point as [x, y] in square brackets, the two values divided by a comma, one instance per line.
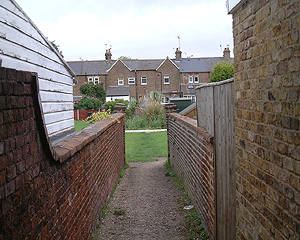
[50, 86]
[13, 35]
[59, 126]
[19, 23]
[57, 107]
[23, 47]
[55, 97]
[7, 4]
[24, 54]
[58, 116]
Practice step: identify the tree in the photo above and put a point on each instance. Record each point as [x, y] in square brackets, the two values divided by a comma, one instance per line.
[94, 96]
[124, 58]
[222, 71]
[56, 46]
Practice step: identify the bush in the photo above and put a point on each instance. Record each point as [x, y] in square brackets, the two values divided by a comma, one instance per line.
[222, 71]
[88, 103]
[111, 104]
[142, 123]
[98, 116]
[94, 91]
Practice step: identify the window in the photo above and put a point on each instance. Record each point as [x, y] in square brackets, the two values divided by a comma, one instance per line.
[143, 80]
[191, 79]
[120, 81]
[90, 80]
[166, 80]
[96, 80]
[196, 79]
[131, 81]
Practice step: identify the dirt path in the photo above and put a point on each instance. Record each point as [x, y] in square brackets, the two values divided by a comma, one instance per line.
[145, 206]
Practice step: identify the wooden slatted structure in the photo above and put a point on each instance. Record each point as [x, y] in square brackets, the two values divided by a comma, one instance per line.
[215, 106]
[24, 47]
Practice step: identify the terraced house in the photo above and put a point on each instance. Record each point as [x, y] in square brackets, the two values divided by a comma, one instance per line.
[136, 78]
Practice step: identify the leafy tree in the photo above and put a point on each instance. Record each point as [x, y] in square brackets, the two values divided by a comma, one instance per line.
[94, 96]
[124, 58]
[56, 46]
[93, 91]
[222, 71]
[89, 103]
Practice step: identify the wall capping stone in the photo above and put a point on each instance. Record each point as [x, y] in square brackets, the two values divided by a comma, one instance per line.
[193, 124]
[66, 148]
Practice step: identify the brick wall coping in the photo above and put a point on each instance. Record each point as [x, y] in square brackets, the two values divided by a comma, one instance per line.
[66, 148]
[192, 123]
[213, 84]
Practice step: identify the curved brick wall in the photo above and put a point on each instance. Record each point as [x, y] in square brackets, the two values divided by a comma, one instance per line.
[42, 197]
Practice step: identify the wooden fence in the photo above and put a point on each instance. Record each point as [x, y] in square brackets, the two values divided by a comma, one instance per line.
[215, 104]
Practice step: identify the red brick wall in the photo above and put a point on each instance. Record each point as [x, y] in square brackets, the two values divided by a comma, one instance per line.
[40, 197]
[81, 114]
[192, 156]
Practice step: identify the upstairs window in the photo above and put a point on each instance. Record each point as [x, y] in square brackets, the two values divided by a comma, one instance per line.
[90, 80]
[166, 79]
[191, 79]
[96, 80]
[143, 80]
[196, 79]
[120, 81]
[131, 81]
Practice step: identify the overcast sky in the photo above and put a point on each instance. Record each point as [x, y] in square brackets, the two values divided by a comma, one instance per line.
[134, 28]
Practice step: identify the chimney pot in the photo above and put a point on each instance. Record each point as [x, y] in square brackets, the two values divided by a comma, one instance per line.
[226, 53]
[178, 54]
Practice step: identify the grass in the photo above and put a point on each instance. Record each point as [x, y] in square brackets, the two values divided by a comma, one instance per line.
[192, 219]
[80, 124]
[145, 147]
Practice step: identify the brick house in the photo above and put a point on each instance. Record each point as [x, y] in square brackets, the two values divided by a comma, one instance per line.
[172, 77]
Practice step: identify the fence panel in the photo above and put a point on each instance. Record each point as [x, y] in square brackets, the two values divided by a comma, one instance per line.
[215, 113]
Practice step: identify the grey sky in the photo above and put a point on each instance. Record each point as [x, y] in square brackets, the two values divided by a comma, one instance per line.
[134, 28]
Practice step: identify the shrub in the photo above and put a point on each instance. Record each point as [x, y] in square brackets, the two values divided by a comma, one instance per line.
[88, 103]
[94, 91]
[222, 71]
[111, 104]
[98, 116]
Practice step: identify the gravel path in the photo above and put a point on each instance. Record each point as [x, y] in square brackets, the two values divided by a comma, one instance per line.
[148, 206]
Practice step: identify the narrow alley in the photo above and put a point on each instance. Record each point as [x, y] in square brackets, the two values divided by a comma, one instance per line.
[146, 205]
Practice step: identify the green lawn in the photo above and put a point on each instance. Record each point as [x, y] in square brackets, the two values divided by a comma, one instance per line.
[145, 147]
[80, 124]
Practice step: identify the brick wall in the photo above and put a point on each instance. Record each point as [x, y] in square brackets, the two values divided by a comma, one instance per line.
[168, 68]
[192, 156]
[45, 197]
[267, 85]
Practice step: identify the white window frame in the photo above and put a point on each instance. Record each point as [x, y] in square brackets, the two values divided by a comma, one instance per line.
[90, 80]
[167, 77]
[191, 79]
[165, 100]
[96, 80]
[131, 80]
[120, 81]
[196, 76]
[143, 78]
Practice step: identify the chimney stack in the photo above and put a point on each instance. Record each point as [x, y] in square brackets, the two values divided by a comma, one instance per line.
[108, 55]
[226, 53]
[178, 54]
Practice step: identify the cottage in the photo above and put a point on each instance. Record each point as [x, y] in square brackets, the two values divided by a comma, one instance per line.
[172, 77]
